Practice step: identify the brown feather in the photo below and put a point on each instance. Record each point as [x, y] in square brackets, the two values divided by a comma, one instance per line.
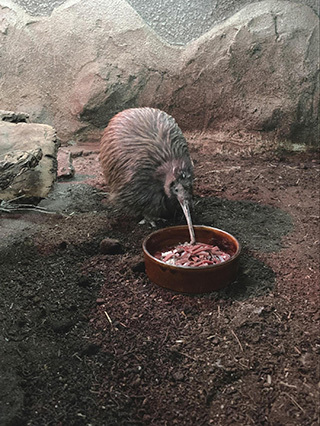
[142, 152]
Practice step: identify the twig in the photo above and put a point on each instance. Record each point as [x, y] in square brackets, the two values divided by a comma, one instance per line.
[294, 401]
[236, 337]
[107, 315]
[190, 357]
[7, 207]
[297, 350]
[219, 311]
[287, 384]
[166, 336]
[16, 198]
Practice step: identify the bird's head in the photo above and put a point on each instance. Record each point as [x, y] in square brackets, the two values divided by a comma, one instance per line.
[180, 187]
[178, 180]
[178, 177]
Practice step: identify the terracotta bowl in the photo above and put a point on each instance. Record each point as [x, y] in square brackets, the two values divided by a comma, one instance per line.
[191, 279]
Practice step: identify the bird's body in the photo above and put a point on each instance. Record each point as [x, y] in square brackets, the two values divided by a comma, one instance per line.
[146, 162]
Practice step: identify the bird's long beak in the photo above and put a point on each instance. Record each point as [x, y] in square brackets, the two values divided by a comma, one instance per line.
[185, 207]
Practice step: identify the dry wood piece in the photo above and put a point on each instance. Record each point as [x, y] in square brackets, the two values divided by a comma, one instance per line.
[17, 163]
[194, 255]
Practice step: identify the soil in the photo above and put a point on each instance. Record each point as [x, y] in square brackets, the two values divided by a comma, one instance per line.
[87, 339]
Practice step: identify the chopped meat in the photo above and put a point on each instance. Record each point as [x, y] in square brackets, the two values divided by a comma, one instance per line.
[193, 255]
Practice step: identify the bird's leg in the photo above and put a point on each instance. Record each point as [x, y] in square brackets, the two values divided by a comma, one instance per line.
[152, 221]
[149, 221]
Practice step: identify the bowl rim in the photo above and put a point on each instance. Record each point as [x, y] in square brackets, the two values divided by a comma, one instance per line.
[192, 268]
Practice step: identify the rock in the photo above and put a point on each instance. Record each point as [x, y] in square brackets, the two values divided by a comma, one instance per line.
[256, 71]
[16, 163]
[66, 169]
[90, 349]
[61, 326]
[84, 281]
[110, 246]
[178, 376]
[14, 117]
[19, 139]
[136, 263]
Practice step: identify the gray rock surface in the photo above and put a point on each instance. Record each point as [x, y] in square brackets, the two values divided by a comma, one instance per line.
[75, 69]
[16, 164]
[181, 21]
[19, 138]
[14, 117]
[257, 71]
[176, 21]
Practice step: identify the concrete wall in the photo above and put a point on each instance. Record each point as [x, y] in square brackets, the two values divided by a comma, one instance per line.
[177, 21]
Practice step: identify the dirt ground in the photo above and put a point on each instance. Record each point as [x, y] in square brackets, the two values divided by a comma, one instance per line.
[87, 339]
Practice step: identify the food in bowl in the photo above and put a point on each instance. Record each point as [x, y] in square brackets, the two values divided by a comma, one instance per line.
[188, 279]
[193, 255]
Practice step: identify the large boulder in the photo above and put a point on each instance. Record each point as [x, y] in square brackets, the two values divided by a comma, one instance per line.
[90, 59]
[256, 71]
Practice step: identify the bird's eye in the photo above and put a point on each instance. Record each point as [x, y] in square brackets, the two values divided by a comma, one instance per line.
[183, 175]
[173, 187]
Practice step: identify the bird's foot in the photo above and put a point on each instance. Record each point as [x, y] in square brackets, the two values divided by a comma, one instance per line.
[145, 221]
[152, 221]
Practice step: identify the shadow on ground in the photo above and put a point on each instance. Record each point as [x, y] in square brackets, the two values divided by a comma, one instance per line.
[46, 299]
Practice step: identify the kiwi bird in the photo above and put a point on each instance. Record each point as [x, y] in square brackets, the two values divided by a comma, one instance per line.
[146, 164]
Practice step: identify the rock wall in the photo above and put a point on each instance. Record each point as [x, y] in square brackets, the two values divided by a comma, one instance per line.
[75, 69]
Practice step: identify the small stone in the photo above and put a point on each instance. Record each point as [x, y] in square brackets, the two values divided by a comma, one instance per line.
[178, 376]
[63, 245]
[14, 117]
[136, 382]
[66, 169]
[30, 138]
[215, 341]
[83, 281]
[110, 246]
[136, 264]
[91, 349]
[62, 326]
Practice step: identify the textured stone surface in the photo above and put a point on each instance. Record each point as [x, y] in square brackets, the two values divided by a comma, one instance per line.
[14, 117]
[25, 137]
[88, 60]
[177, 21]
[110, 246]
[17, 163]
[181, 21]
[257, 71]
